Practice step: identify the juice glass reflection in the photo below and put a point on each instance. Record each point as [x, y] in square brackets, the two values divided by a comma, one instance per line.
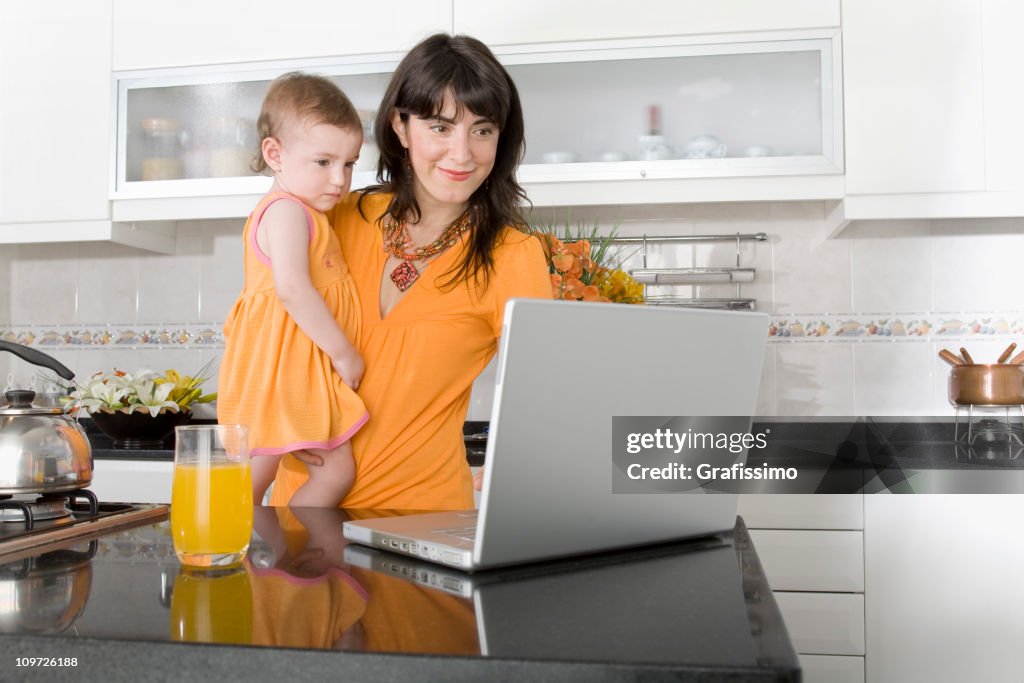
[212, 606]
[211, 495]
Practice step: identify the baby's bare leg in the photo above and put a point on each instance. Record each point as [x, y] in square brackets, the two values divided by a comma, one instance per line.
[329, 483]
[264, 469]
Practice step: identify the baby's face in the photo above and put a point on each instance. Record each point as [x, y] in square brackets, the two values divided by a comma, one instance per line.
[316, 162]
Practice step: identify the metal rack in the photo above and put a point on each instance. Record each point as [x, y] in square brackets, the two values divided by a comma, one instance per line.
[696, 276]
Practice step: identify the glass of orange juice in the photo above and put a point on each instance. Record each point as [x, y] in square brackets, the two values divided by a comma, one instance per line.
[211, 495]
[212, 606]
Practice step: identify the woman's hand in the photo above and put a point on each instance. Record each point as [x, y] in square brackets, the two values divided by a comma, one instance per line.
[478, 480]
[308, 458]
[350, 367]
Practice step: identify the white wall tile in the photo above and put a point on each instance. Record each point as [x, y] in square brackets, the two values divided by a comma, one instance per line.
[811, 273]
[7, 254]
[44, 284]
[767, 403]
[974, 270]
[890, 266]
[169, 286]
[91, 361]
[814, 379]
[894, 378]
[221, 274]
[108, 283]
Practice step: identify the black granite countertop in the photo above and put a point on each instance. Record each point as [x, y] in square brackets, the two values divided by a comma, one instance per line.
[307, 605]
[910, 442]
[103, 447]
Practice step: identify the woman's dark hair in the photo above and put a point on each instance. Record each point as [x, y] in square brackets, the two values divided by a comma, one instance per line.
[468, 71]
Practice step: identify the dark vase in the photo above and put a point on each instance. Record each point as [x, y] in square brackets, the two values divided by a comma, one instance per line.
[139, 429]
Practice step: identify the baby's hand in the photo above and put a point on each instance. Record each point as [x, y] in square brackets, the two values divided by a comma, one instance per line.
[351, 368]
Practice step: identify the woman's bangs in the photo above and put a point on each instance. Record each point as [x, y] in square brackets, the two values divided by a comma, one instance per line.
[425, 96]
[480, 95]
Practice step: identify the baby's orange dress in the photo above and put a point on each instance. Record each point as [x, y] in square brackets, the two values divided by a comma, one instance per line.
[421, 360]
[272, 377]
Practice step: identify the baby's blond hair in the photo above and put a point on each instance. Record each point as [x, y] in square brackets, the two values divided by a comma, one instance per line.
[297, 97]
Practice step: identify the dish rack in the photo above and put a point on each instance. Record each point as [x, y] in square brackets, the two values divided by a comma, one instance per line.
[695, 276]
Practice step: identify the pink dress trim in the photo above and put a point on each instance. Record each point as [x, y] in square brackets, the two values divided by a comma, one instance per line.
[263, 258]
[302, 581]
[326, 445]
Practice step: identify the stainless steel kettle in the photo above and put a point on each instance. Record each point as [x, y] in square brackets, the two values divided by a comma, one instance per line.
[42, 450]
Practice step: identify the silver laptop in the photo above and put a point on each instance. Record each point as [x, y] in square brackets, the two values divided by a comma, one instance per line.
[564, 370]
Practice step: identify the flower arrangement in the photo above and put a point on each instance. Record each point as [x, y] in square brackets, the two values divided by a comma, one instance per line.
[585, 267]
[143, 391]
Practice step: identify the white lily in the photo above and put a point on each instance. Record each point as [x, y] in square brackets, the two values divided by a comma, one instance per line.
[99, 394]
[152, 397]
[145, 391]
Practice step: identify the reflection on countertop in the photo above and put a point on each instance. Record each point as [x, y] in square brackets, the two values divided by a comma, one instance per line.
[700, 606]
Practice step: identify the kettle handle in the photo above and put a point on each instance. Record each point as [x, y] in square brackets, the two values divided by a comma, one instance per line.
[37, 358]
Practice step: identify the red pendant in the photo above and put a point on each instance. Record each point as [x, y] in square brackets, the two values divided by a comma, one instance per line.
[404, 275]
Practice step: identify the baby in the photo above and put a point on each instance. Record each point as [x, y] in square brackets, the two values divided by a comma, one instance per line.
[290, 369]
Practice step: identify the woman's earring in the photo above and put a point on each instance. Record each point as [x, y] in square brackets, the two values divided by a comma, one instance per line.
[408, 162]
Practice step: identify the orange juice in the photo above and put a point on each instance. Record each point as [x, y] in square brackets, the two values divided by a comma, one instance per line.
[212, 607]
[211, 512]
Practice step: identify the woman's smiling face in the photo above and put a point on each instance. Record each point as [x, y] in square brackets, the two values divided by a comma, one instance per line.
[451, 154]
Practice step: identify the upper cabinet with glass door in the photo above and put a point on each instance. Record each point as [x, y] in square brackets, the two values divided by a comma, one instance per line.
[640, 121]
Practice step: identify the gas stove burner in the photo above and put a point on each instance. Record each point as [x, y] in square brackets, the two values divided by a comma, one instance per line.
[990, 431]
[11, 510]
[29, 508]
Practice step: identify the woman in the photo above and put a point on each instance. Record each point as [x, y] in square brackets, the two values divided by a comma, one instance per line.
[435, 252]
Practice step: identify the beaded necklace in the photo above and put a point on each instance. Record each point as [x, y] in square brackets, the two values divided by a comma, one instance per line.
[398, 243]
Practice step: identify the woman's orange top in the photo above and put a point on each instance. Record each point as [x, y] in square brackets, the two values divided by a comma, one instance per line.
[273, 378]
[421, 361]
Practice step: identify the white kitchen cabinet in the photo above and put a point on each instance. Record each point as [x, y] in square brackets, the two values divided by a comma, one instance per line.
[819, 561]
[151, 35]
[824, 623]
[56, 118]
[800, 511]
[944, 579]
[914, 96]
[812, 551]
[504, 22]
[832, 669]
[1004, 97]
[774, 105]
[933, 110]
[132, 481]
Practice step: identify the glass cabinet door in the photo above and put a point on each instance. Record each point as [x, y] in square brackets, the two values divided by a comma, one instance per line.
[607, 111]
[712, 107]
[186, 135]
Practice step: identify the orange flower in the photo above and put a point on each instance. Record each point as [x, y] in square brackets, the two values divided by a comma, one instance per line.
[563, 262]
[556, 286]
[574, 287]
[577, 275]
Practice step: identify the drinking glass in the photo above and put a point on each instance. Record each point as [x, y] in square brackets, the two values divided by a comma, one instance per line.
[211, 495]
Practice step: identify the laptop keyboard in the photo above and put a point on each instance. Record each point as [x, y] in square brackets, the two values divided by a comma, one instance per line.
[463, 533]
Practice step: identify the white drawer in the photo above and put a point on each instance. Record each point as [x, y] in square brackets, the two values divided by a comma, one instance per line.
[132, 481]
[832, 669]
[811, 560]
[824, 623]
[802, 511]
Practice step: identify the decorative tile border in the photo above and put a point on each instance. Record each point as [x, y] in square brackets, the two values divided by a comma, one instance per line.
[206, 335]
[895, 327]
[782, 328]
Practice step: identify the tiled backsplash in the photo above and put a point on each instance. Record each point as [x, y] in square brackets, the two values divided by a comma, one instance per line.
[856, 321]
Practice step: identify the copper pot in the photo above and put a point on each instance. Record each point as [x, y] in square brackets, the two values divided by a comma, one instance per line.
[986, 385]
